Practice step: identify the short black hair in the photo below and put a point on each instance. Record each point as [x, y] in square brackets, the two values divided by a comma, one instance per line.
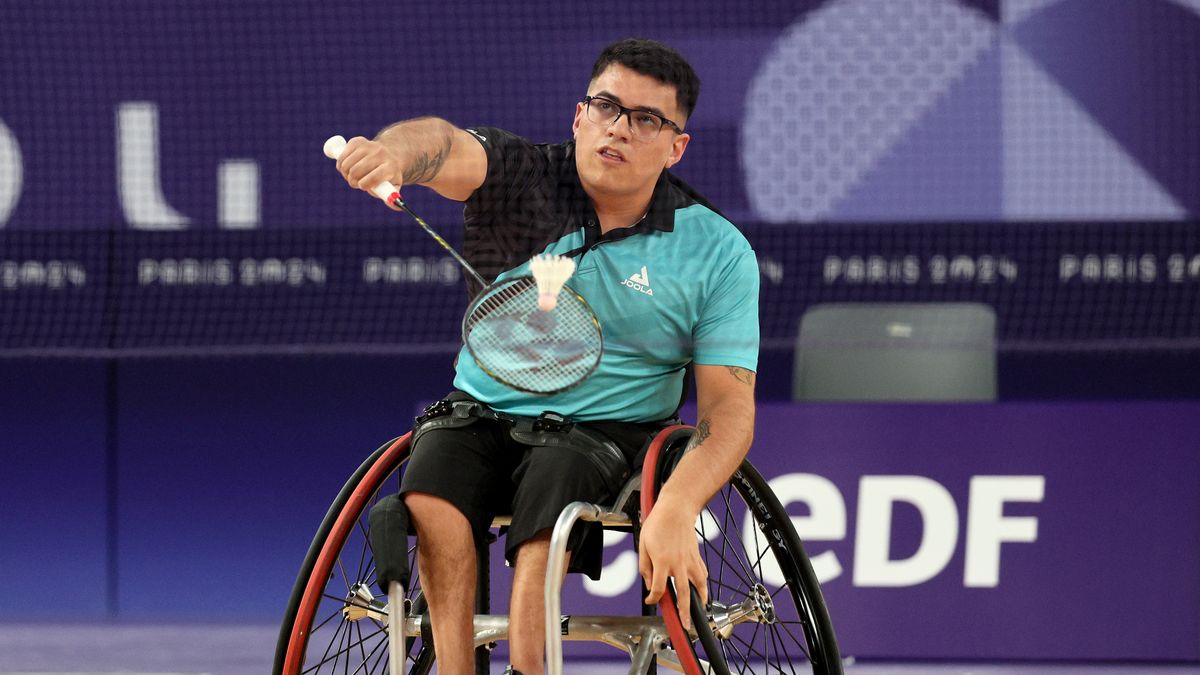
[654, 59]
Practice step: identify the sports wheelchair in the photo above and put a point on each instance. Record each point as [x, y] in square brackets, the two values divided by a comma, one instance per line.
[337, 621]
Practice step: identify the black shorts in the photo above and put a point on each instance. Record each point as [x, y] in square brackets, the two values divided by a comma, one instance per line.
[483, 472]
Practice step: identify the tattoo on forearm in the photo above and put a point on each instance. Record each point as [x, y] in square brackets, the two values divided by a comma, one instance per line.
[425, 167]
[742, 374]
[702, 433]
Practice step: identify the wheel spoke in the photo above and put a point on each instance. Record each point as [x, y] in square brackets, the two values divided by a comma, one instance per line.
[750, 647]
[345, 648]
[325, 656]
[729, 517]
[345, 578]
[775, 647]
[364, 560]
[336, 613]
[346, 602]
[361, 651]
[803, 646]
[762, 553]
[757, 563]
[742, 661]
[738, 593]
[743, 578]
[383, 652]
[367, 659]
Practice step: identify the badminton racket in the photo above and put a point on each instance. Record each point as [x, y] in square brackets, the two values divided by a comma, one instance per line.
[532, 333]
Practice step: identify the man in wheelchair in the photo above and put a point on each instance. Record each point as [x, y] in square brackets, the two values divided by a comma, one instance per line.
[675, 288]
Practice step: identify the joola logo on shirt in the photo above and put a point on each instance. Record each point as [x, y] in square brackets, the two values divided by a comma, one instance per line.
[639, 281]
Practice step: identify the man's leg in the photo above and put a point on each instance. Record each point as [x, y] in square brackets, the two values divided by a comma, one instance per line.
[526, 614]
[548, 479]
[446, 561]
[456, 479]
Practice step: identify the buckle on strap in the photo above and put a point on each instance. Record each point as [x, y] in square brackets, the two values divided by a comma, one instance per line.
[552, 422]
[462, 411]
[435, 409]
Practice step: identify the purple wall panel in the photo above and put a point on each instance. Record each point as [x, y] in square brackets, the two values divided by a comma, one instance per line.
[54, 496]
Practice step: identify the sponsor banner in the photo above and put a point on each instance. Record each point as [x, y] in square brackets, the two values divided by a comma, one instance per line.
[998, 531]
[1009, 531]
[1053, 286]
[54, 292]
[275, 290]
[128, 292]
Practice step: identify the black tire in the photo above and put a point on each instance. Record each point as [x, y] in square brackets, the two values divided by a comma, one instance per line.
[789, 630]
[316, 636]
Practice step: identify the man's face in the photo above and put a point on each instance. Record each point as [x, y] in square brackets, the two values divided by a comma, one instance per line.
[611, 161]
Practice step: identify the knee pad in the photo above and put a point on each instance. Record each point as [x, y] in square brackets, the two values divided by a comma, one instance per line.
[388, 523]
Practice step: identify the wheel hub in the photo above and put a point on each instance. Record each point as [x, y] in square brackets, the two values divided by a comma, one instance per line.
[766, 606]
[361, 604]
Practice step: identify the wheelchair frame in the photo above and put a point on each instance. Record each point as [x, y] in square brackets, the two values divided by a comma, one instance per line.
[647, 639]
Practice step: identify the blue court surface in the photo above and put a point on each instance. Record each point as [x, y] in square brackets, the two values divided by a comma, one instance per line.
[236, 649]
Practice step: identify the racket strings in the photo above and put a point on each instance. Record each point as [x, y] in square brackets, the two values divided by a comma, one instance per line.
[532, 350]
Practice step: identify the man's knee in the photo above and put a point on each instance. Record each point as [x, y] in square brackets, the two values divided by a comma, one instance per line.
[533, 555]
[436, 517]
[534, 549]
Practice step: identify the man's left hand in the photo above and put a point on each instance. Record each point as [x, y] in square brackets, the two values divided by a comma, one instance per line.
[669, 550]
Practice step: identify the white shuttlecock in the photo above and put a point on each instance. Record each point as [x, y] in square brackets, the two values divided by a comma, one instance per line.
[550, 272]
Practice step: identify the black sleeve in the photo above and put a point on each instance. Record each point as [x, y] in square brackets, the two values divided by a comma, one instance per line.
[513, 163]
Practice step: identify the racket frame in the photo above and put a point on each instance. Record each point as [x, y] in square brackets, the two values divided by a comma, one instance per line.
[483, 295]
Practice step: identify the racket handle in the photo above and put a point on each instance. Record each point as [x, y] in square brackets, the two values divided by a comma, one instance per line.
[385, 190]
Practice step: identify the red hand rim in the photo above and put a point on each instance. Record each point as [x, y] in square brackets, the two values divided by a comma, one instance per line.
[324, 564]
[670, 613]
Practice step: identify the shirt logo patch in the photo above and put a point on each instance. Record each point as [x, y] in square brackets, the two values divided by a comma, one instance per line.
[639, 281]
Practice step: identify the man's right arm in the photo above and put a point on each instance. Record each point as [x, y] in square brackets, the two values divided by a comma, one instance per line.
[424, 151]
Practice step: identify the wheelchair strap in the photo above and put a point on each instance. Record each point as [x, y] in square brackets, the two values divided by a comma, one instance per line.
[549, 429]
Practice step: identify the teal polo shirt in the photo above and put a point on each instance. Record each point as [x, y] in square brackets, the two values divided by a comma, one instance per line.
[681, 286]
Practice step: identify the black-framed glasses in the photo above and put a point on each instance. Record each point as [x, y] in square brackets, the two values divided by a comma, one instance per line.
[644, 124]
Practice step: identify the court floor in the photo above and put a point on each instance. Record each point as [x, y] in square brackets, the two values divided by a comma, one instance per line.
[237, 649]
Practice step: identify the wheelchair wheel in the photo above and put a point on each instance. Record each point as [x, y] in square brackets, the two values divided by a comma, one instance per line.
[766, 613]
[336, 618]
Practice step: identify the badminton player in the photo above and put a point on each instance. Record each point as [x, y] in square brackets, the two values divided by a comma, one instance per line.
[675, 288]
